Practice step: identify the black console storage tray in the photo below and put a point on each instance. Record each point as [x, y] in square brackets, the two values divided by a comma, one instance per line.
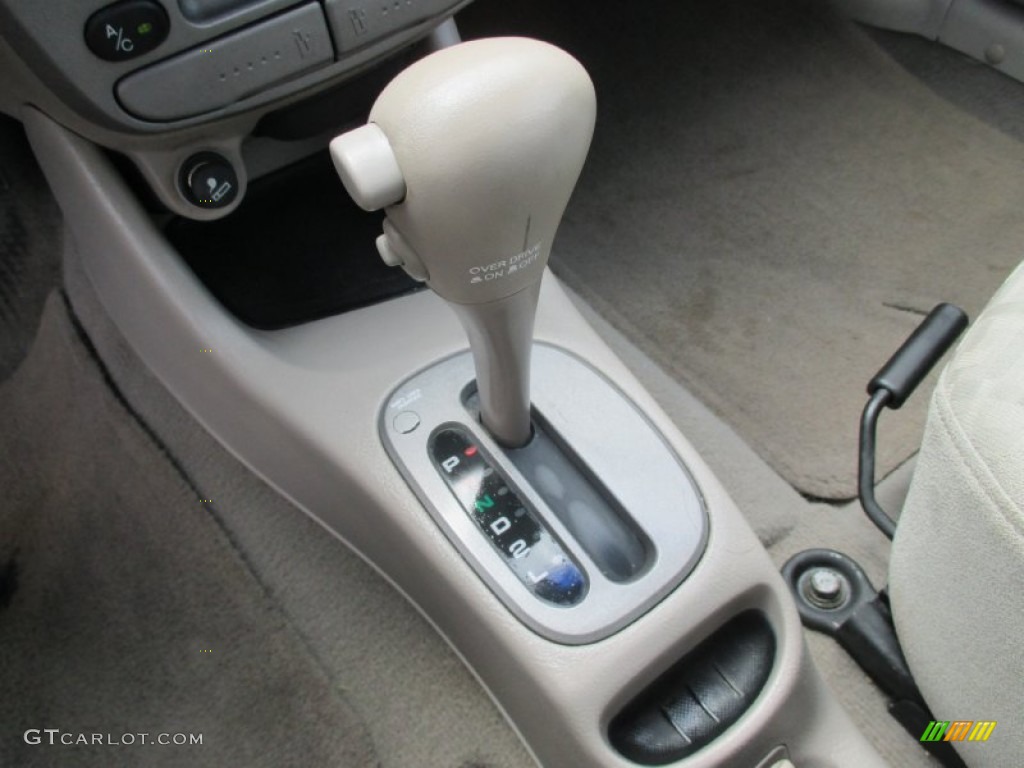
[296, 249]
[703, 694]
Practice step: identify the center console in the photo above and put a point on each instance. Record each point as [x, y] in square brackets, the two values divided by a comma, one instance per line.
[595, 576]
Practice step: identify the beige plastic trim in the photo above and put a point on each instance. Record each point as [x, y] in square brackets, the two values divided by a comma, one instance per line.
[301, 407]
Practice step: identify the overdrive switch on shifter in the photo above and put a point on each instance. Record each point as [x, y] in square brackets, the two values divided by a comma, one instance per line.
[473, 152]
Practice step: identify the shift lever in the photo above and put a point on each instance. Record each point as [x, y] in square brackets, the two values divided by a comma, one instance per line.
[474, 151]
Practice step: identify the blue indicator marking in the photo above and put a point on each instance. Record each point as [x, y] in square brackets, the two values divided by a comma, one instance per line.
[564, 584]
[566, 577]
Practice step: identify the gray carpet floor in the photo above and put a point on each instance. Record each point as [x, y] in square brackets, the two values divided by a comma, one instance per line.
[770, 205]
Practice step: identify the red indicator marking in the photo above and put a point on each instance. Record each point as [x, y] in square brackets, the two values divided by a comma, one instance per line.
[471, 451]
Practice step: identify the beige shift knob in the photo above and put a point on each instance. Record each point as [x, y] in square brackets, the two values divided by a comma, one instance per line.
[474, 152]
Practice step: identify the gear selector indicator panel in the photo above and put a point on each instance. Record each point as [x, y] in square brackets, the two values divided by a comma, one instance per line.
[527, 546]
[577, 533]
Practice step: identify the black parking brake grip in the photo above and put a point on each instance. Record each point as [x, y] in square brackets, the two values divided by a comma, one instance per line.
[919, 354]
[891, 387]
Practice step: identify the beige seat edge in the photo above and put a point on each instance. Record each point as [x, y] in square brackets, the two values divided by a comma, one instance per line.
[957, 566]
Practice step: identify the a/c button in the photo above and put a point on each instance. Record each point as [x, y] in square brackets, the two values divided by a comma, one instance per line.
[125, 30]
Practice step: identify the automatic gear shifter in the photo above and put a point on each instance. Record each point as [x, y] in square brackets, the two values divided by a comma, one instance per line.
[474, 152]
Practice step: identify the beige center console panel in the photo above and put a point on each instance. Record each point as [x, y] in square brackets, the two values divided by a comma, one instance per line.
[302, 408]
[596, 665]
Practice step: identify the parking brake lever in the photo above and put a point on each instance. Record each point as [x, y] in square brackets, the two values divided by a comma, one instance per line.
[890, 388]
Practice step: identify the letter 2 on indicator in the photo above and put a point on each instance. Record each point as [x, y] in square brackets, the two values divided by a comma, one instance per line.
[518, 549]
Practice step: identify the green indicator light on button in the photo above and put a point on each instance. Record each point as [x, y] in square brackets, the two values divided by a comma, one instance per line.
[145, 28]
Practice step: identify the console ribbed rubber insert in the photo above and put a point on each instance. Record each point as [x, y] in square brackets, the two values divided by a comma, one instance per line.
[700, 696]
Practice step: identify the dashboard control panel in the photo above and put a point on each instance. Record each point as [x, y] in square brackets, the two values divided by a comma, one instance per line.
[146, 66]
[161, 81]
